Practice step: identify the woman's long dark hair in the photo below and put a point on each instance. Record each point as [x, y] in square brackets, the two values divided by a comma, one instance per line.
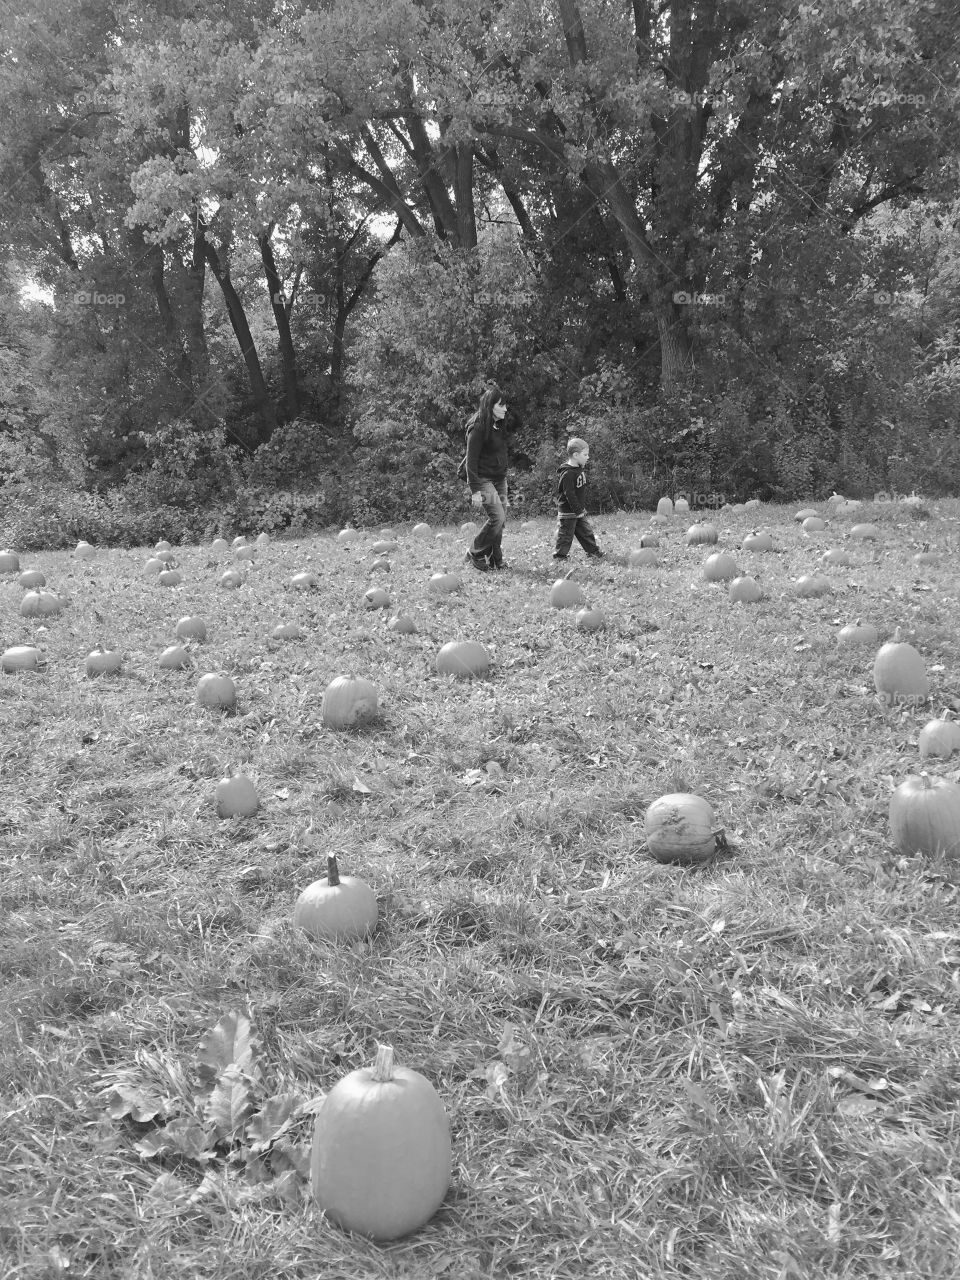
[484, 415]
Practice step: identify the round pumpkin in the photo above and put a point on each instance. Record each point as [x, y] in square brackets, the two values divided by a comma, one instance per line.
[925, 816]
[463, 659]
[939, 738]
[649, 540]
[680, 828]
[745, 590]
[32, 578]
[857, 633]
[381, 1161]
[805, 513]
[657, 521]
[347, 702]
[263, 540]
[812, 584]
[231, 580]
[899, 672]
[383, 546]
[681, 507]
[444, 583]
[720, 567]
[245, 553]
[701, 533]
[376, 598]
[380, 566]
[170, 577]
[590, 620]
[565, 593]
[236, 796]
[174, 658]
[20, 657]
[757, 541]
[287, 631]
[9, 562]
[422, 530]
[219, 544]
[813, 524]
[103, 662]
[865, 532]
[304, 581]
[164, 555]
[665, 507]
[191, 628]
[641, 556]
[218, 692]
[340, 908]
[153, 566]
[84, 551]
[836, 556]
[41, 604]
[348, 535]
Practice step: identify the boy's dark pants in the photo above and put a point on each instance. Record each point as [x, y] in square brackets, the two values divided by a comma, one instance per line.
[579, 527]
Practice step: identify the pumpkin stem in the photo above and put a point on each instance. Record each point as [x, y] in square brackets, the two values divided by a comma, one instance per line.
[333, 871]
[568, 574]
[896, 636]
[383, 1066]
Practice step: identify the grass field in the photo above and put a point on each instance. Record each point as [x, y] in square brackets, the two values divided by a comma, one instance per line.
[745, 1069]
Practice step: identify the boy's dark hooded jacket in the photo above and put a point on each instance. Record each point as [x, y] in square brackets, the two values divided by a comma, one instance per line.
[571, 489]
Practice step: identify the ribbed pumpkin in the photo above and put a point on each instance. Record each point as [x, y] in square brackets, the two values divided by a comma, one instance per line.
[381, 1160]
[680, 828]
[720, 567]
[338, 907]
[745, 590]
[463, 659]
[899, 671]
[347, 702]
[925, 816]
[700, 533]
[41, 604]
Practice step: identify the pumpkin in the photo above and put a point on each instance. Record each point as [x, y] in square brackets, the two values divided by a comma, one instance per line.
[720, 567]
[376, 598]
[239, 541]
[757, 541]
[422, 530]
[812, 584]
[245, 553]
[641, 556]
[164, 555]
[925, 816]
[305, 581]
[836, 556]
[217, 692]
[191, 628]
[230, 580]
[381, 1161]
[103, 662]
[899, 671]
[865, 532]
[383, 546]
[9, 562]
[857, 633]
[174, 658]
[463, 659]
[805, 513]
[444, 583]
[262, 540]
[381, 565]
[813, 524]
[287, 631]
[745, 590]
[153, 566]
[649, 540]
[32, 578]
[665, 507]
[219, 544]
[340, 907]
[347, 535]
[939, 738]
[657, 521]
[590, 620]
[173, 578]
[701, 533]
[41, 604]
[926, 556]
[236, 796]
[751, 504]
[565, 593]
[84, 551]
[680, 828]
[21, 657]
[402, 625]
[681, 507]
[347, 702]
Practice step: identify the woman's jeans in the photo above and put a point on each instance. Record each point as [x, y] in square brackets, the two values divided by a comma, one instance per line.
[487, 541]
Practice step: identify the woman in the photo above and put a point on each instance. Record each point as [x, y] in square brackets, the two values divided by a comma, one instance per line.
[486, 463]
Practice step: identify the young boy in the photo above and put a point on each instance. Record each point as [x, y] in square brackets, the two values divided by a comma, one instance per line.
[572, 519]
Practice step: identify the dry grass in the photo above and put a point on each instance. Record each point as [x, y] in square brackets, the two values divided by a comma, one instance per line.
[750, 1069]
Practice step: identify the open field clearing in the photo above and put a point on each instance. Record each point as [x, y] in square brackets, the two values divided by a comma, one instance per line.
[744, 1068]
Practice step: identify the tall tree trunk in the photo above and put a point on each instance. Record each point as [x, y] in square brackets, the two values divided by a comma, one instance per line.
[288, 357]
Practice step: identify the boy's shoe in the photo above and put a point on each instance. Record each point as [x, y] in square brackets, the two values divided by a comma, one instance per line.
[498, 564]
[478, 562]
[556, 557]
[595, 555]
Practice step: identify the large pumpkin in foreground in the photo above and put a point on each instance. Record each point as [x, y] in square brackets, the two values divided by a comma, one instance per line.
[680, 828]
[381, 1159]
[925, 816]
